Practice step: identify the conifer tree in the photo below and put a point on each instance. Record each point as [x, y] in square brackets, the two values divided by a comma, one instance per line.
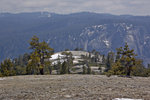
[20, 64]
[117, 69]
[58, 67]
[64, 68]
[84, 70]
[117, 57]
[126, 62]
[33, 64]
[88, 69]
[138, 69]
[43, 52]
[69, 60]
[109, 61]
[7, 68]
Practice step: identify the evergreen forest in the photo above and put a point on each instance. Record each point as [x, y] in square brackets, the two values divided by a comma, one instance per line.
[124, 62]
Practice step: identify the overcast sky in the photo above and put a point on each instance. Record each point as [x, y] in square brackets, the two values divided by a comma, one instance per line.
[118, 7]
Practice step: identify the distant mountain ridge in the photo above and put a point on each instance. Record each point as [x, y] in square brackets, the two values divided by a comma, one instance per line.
[103, 32]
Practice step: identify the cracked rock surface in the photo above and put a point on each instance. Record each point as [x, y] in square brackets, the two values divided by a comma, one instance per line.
[73, 87]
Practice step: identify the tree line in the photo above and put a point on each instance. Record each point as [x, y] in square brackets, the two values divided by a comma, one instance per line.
[125, 63]
[37, 62]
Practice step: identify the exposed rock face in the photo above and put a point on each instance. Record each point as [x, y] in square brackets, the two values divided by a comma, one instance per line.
[108, 37]
[78, 60]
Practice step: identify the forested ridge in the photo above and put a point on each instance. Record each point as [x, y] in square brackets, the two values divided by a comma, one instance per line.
[123, 63]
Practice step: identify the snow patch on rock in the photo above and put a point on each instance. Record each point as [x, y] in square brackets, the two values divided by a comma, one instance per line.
[56, 56]
[107, 43]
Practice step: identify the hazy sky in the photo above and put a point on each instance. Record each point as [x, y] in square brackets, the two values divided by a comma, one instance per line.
[133, 7]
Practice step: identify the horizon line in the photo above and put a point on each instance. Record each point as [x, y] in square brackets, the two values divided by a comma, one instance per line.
[70, 13]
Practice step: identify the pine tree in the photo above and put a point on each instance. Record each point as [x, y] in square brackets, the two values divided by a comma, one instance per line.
[58, 67]
[117, 57]
[20, 64]
[84, 70]
[125, 62]
[64, 68]
[7, 68]
[69, 60]
[43, 53]
[25, 59]
[33, 64]
[138, 69]
[88, 69]
[117, 69]
[109, 61]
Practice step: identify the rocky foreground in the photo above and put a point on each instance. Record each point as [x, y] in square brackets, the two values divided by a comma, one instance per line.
[73, 87]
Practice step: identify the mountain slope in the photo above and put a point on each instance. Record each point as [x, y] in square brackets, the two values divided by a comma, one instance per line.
[103, 32]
